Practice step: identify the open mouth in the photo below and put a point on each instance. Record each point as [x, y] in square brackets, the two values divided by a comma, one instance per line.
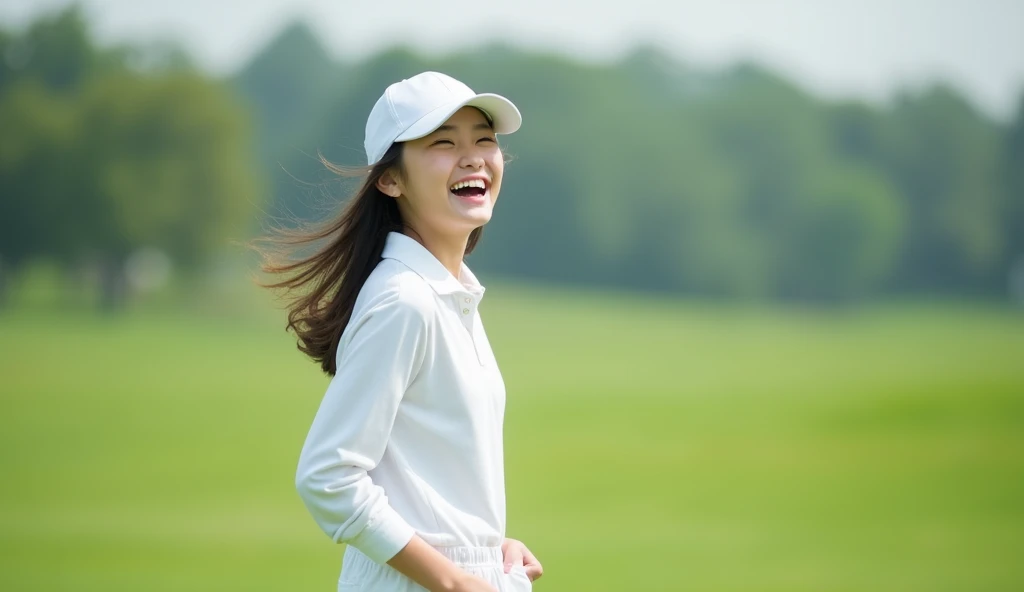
[470, 188]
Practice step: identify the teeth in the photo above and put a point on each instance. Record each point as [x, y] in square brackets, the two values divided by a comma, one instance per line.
[471, 183]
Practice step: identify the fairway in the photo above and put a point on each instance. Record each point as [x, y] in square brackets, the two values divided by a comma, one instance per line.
[650, 445]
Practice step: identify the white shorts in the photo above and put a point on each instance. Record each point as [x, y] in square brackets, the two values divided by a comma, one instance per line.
[359, 573]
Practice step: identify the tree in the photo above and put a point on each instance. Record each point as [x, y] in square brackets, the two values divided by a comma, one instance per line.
[1012, 215]
[105, 151]
[34, 159]
[57, 52]
[944, 160]
[161, 162]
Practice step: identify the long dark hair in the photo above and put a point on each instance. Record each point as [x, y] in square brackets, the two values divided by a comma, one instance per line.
[322, 288]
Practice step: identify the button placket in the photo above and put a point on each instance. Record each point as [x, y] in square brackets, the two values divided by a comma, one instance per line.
[466, 305]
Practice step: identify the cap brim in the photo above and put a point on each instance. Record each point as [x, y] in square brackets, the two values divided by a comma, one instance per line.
[504, 116]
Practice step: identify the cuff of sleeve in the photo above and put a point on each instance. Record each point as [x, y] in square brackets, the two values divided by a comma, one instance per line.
[386, 534]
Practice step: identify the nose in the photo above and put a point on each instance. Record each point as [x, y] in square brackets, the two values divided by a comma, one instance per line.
[472, 160]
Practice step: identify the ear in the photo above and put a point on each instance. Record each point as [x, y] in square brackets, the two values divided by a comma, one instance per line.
[388, 185]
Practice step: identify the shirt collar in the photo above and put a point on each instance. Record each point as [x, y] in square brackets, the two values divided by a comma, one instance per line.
[416, 257]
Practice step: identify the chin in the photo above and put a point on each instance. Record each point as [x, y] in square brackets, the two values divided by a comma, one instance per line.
[474, 222]
[476, 217]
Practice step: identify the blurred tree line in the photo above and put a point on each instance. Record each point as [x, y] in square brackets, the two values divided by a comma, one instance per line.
[646, 173]
[651, 174]
[106, 151]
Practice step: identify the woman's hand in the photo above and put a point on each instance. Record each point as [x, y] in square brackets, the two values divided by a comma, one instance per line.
[516, 553]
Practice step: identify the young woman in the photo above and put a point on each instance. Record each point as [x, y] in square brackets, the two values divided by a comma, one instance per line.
[404, 459]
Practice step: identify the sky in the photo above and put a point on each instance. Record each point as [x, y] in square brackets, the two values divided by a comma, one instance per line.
[865, 49]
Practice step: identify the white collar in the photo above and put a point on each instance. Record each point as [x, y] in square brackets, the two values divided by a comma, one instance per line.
[416, 257]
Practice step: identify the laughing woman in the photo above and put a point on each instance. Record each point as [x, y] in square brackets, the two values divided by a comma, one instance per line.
[404, 461]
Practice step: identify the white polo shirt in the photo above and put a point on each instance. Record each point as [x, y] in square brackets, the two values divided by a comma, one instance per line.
[408, 437]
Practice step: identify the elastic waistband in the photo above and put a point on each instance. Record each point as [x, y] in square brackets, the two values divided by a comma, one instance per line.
[461, 556]
[471, 556]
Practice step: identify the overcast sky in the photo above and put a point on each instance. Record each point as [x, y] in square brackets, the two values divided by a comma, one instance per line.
[863, 48]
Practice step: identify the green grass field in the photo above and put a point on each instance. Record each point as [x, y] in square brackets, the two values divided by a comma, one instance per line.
[650, 445]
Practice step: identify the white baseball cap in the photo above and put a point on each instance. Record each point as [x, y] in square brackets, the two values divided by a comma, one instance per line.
[417, 106]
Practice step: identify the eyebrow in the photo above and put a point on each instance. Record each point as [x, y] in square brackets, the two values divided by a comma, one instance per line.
[451, 128]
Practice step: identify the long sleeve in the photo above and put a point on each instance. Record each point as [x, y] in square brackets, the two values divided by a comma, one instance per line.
[384, 350]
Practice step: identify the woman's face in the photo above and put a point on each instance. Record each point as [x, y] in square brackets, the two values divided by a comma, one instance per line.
[450, 178]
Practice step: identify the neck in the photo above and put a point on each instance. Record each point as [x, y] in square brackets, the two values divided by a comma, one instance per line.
[448, 250]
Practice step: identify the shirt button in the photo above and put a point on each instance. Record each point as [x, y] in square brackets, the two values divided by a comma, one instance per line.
[465, 311]
[468, 300]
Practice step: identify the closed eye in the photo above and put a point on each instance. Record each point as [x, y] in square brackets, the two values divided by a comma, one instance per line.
[486, 139]
[443, 141]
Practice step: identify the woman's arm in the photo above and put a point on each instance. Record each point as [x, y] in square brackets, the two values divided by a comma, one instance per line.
[427, 567]
[350, 432]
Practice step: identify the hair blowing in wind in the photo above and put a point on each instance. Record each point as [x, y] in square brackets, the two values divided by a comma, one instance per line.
[321, 288]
